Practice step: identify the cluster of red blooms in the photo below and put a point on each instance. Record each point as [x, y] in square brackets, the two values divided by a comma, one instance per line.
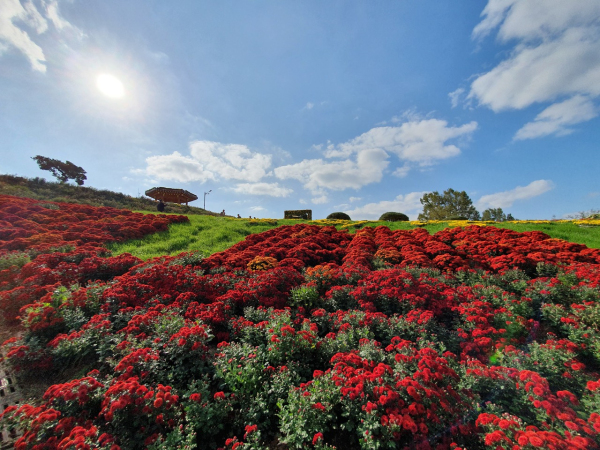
[401, 338]
[64, 243]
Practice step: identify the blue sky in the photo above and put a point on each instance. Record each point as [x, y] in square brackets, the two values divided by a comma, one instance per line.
[352, 106]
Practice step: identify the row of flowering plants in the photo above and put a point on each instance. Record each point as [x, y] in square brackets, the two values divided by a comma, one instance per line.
[44, 245]
[308, 337]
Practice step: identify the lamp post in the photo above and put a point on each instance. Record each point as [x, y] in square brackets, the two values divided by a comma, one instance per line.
[205, 194]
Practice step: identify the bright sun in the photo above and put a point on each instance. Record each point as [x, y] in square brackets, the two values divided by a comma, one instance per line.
[110, 86]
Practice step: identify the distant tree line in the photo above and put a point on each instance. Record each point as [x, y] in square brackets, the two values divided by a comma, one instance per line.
[455, 205]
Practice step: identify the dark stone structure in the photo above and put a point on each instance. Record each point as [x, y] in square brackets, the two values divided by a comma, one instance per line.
[305, 214]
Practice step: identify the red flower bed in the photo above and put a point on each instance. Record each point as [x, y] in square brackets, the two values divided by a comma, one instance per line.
[471, 338]
[64, 244]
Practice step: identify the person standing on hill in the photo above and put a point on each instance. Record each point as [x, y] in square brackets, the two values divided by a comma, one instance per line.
[161, 206]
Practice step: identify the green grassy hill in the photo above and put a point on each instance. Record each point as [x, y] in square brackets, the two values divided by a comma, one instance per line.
[41, 189]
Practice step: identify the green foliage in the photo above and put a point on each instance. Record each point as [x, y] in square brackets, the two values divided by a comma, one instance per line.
[189, 259]
[18, 259]
[300, 421]
[451, 203]
[49, 206]
[306, 296]
[338, 216]
[62, 171]
[394, 217]
[495, 214]
[544, 359]
[255, 384]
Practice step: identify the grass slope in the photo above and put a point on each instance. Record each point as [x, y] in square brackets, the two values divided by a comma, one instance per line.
[205, 234]
[40, 189]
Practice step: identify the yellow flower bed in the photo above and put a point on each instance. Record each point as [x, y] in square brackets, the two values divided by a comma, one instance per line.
[262, 221]
[332, 223]
[359, 224]
[464, 223]
[593, 222]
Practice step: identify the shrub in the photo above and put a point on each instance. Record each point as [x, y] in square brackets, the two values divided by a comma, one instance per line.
[262, 263]
[338, 216]
[456, 218]
[18, 259]
[306, 296]
[49, 206]
[394, 217]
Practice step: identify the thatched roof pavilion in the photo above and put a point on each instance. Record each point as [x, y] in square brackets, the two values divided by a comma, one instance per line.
[171, 195]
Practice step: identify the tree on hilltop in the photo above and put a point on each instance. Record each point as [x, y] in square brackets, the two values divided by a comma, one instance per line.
[495, 214]
[451, 204]
[62, 171]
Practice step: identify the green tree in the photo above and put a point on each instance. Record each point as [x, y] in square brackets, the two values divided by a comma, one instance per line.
[63, 171]
[451, 204]
[495, 214]
[394, 217]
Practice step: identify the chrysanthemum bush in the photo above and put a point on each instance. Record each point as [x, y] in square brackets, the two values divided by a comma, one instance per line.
[46, 245]
[308, 337]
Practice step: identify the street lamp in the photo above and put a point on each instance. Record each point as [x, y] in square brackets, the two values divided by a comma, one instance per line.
[205, 194]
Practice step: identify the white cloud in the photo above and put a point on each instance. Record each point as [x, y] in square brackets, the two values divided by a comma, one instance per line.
[537, 73]
[309, 105]
[556, 118]
[210, 161]
[507, 198]
[362, 160]
[270, 189]
[534, 19]
[408, 204]
[341, 207]
[410, 115]
[178, 168]
[231, 161]
[419, 141]
[257, 208]
[401, 172]
[161, 58]
[455, 96]
[19, 21]
[367, 167]
[556, 54]
[12, 36]
[319, 200]
[354, 199]
[54, 16]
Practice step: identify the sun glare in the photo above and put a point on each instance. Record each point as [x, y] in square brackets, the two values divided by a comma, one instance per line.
[110, 86]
